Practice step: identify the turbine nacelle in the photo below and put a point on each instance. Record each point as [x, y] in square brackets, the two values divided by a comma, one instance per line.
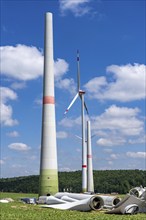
[81, 92]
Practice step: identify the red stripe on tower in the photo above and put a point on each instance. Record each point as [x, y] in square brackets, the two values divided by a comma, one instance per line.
[84, 166]
[48, 100]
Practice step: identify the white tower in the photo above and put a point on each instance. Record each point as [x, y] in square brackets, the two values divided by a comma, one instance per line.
[90, 182]
[48, 164]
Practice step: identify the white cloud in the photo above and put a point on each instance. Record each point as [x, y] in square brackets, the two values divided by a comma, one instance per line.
[19, 147]
[116, 126]
[140, 140]
[127, 83]
[6, 110]
[61, 67]
[24, 63]
[62, 135]
[18, 85]
[77, 7]
[119, 120]
[95, 84]
[7, 94]
[110, 141]
[70, 122]
[67, 84]
[136, 154]
[114, 156]
[2, 162]
[21, 62]
[13, 134]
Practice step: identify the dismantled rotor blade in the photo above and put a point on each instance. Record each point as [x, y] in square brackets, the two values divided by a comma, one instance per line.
[80, 205]
[72, 102]
[78, 69]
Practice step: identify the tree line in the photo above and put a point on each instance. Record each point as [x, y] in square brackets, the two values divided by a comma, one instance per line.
[105, 181]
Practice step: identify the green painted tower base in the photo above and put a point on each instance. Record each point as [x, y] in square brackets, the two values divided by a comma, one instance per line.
[48, 182]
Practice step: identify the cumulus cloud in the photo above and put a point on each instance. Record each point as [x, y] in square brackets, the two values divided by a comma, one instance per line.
[110, 141]
[116, 126]
[21, 62]
[61, 67]
[77, 7]
[6, 110]
[136, 154]
[24, 63]
[67, 84]
[18, 85]
[141, 140]
[126, 83]
[19, 147]
[121, 120]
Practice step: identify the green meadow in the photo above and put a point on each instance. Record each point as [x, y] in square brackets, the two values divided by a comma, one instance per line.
[20, 211]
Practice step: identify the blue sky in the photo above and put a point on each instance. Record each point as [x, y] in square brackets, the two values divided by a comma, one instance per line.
[110, 36]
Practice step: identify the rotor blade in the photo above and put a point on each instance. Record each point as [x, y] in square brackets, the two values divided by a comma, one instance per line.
[72, 102]
[85, 106]
[92, 136]
[78, 69]
[78, 137]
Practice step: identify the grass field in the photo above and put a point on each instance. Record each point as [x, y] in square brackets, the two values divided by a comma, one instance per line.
[19, 211]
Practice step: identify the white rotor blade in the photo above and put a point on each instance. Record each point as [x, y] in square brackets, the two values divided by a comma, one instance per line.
[78, 137]
[72, 102]
[78, 70]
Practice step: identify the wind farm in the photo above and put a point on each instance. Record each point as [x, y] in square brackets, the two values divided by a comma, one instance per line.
[87, 56]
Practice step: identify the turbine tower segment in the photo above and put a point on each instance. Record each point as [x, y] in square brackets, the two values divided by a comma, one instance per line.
[48, 182]
[90, 181]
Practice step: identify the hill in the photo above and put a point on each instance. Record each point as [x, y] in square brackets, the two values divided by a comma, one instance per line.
[105, 181]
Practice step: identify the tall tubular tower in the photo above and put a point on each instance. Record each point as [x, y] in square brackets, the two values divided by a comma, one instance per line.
[48, 183]
[90, 181]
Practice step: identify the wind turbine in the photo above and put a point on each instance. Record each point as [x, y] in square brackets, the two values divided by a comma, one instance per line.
[90, 180]
[81, 94]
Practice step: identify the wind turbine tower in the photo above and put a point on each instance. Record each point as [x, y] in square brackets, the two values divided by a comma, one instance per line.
[90, 182]
[48, 182]
[81, 94]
